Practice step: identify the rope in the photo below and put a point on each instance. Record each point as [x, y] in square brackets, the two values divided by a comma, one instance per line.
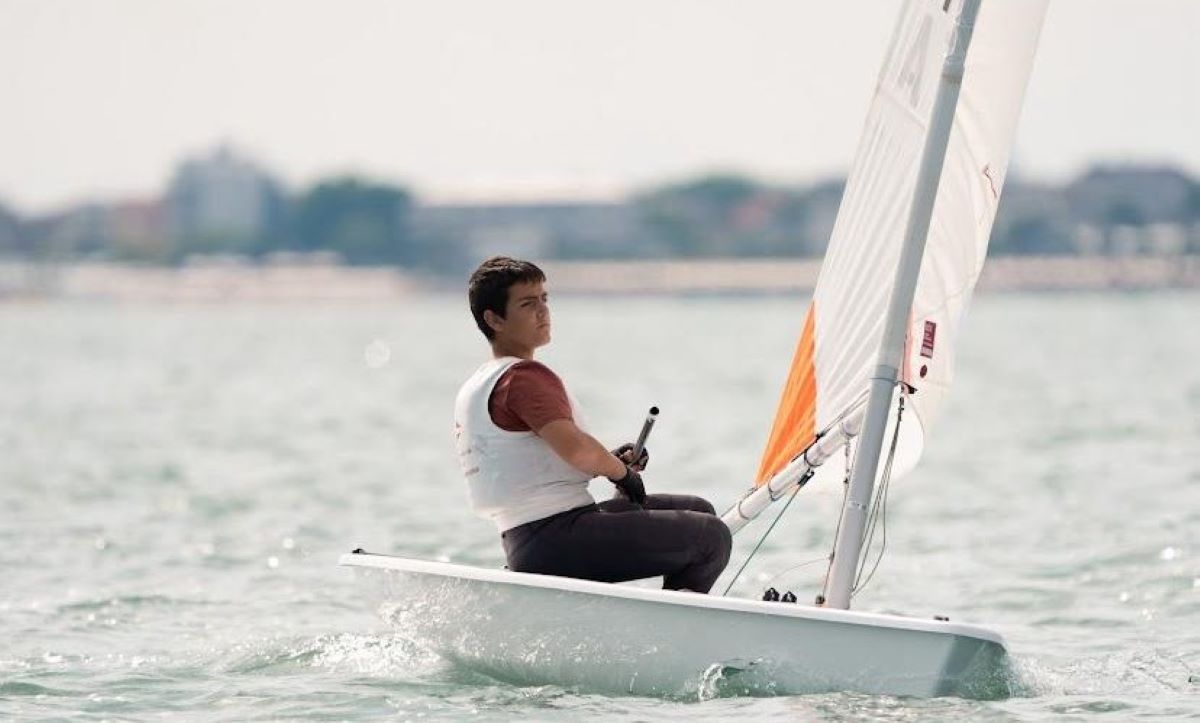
[803, 480]
[793, 568]
[879, 508]
[879, 504]
[848, 464]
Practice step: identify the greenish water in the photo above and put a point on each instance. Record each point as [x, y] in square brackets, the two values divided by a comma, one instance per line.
[177, 482]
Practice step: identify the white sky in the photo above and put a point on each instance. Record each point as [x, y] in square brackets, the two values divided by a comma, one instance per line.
[457, 97]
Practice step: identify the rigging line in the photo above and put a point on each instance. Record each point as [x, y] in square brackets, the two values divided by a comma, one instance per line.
[868, 536]
[800, 485]
[883, 545]
[852, 407]
[881, 503]
[792, 569]
[836, 530]
[883, 539]
[878, 503]
[880, 506]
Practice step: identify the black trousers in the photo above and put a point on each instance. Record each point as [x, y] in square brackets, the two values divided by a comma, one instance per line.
[676, 536]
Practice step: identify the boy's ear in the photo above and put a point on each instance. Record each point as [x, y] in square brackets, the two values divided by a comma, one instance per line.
[492, 319]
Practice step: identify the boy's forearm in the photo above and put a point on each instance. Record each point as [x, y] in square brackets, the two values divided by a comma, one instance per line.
[600, 461]
[581, 450]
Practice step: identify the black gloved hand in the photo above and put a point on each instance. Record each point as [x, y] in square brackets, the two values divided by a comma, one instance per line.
[631, 484]
[625, 454]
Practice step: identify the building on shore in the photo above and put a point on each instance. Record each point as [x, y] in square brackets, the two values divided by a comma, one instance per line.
[462, 234]
[222, 202]
[138, 230]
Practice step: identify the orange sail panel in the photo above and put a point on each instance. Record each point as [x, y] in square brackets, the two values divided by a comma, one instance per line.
[795, 420]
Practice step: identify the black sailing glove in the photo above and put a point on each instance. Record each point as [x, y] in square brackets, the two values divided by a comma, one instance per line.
[631, 484]
[625, 454]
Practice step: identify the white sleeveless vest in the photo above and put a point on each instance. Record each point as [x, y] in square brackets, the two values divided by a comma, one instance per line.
[512, 477]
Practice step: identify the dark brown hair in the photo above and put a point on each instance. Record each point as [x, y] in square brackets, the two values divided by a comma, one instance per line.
[488, 288]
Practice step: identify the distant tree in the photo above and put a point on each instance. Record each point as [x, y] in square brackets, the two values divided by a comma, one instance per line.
[367, 223]
[721, 193]
[1033, 219]
[668, 230]
[440, 253]
[1036, 235]
[12, 236]
[215, 242]
[697, 217]
[1193, 218]
[821, 205]
[1123, 212]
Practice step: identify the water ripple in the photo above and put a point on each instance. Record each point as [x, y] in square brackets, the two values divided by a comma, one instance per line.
[176, 485]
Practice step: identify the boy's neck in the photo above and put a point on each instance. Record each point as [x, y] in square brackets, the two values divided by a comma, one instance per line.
[501, 349]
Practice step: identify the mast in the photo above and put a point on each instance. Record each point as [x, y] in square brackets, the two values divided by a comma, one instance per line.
[848, 547]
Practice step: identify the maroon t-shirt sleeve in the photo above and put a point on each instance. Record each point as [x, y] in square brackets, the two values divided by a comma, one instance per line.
[527, 397]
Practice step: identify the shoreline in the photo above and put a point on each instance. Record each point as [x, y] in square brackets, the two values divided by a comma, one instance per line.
[330, 282]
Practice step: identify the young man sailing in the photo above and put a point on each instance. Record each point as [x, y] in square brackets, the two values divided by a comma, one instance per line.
[528, 458]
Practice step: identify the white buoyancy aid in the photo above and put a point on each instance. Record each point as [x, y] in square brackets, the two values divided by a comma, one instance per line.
[512, 477]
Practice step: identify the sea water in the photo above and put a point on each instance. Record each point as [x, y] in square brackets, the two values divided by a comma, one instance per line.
[177, 482]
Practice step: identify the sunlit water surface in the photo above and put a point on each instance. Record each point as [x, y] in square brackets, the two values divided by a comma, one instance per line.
[176, 484]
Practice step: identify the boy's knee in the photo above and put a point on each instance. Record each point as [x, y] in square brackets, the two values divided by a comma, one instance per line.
[692, 503]
[720, 538]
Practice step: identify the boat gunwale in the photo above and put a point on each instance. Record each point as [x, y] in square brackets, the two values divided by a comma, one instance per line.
[669, 597]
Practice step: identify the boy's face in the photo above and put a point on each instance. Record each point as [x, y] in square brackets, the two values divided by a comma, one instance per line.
[526, 319]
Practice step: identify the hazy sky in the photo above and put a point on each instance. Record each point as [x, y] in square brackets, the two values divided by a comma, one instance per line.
[102, 97]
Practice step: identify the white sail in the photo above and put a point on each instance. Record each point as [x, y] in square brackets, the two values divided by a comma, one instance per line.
[840, 344]
[856, 280]
[998, 67]
[841, 340]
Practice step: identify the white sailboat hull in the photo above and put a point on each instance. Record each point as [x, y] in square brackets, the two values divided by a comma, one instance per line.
[537, 629]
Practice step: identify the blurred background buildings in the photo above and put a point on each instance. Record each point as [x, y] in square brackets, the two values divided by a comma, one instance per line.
[595, 137]
[224, 206]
